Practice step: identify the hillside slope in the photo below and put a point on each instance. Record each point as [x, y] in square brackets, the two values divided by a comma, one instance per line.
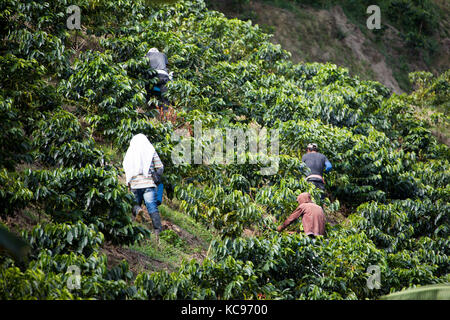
[68, 111]
[323, 32]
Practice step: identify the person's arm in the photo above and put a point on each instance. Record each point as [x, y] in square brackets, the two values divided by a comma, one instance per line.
[294, 216]
[158, 165]
[166, 61]
[328, 166]
[159, 171]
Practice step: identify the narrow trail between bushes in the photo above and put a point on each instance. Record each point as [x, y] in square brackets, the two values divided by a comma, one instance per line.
[177, 243]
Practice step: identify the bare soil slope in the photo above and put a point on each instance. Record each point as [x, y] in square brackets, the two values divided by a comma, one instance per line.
[319, 35]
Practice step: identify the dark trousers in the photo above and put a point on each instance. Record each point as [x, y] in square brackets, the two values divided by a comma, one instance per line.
[319, 184]
[162, 81]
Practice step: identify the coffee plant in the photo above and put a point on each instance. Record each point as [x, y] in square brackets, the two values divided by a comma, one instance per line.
[90, 194]
[63, 238]
[62, 105]
[60, 141]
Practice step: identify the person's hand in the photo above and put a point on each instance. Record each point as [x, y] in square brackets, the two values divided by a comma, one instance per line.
[279, 228]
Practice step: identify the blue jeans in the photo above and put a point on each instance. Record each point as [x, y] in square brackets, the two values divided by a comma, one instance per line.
[149, 196]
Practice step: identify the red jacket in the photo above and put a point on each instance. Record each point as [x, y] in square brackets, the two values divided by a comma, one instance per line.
[313, 218]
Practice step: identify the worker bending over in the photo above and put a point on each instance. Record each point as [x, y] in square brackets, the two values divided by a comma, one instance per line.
[313, 218]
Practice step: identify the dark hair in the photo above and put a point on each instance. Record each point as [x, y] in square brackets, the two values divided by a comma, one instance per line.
[312, 147]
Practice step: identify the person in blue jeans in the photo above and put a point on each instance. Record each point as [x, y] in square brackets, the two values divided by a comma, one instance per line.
[148, 196]
[143, 170]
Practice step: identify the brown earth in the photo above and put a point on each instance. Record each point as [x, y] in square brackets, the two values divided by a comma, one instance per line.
[319, 35]
[191, 240]
[137, 261]
[21, 221]
[327, 37]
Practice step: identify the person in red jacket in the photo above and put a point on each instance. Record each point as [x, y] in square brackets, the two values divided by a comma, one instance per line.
[313, 218]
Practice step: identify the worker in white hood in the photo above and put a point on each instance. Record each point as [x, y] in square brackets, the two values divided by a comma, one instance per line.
[143, 170]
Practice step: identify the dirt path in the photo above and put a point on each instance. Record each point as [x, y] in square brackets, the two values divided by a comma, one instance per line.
[140, 262]
[137, 261]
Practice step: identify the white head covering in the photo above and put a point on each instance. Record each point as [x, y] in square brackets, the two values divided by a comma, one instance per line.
[139, 157]
[152, 50]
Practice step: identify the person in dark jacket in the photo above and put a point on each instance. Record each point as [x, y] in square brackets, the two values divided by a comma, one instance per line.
[313, 218]
[318, 164]
[159, 62]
